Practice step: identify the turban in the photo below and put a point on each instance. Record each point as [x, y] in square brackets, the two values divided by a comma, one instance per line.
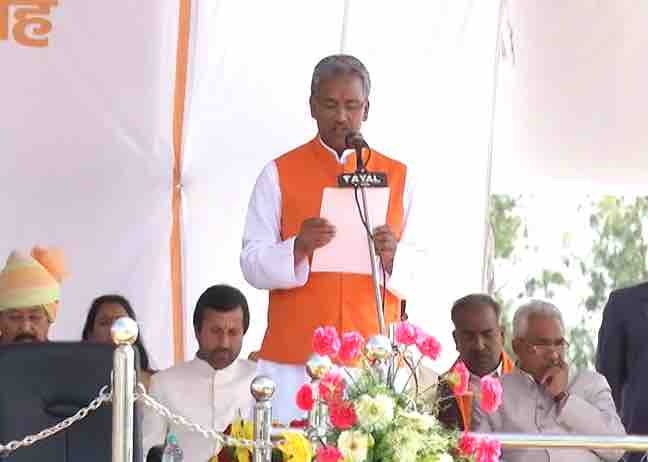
[35, 280]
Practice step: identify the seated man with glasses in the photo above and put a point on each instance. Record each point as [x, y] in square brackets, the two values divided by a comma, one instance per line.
[542, 396]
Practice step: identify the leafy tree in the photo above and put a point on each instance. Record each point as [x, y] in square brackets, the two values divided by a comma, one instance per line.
[505, 228]
[545, 282]
[619, 249]
[510, 236]
[618, 258]
[505, 224]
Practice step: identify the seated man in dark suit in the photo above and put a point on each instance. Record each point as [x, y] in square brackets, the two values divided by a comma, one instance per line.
[622, 356]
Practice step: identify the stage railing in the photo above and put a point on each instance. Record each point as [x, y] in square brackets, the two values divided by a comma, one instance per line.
[125, 393]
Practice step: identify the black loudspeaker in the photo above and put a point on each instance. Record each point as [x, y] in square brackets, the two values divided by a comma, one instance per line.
[42, 384]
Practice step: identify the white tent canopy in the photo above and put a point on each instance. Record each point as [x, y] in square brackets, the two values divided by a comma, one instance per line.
[86, 130]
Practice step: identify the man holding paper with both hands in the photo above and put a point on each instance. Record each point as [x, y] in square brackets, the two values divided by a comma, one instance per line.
[284, 229]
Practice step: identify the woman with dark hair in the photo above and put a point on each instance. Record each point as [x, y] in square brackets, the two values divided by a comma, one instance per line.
[101, 316]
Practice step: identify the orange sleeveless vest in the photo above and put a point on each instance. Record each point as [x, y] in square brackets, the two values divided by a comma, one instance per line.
[343, 300]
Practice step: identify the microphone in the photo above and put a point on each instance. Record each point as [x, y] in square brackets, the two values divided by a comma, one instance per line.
[361, 177]
[354, 140]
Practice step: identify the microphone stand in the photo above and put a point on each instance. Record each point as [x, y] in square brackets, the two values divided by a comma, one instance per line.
[372, 249]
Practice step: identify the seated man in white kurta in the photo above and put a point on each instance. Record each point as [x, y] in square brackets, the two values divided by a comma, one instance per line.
[214, 387]
[541, 395]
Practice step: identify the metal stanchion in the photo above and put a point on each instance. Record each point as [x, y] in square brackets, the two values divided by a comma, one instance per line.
[318, 418]
[262, 389]
[124, 332]
[379, 352]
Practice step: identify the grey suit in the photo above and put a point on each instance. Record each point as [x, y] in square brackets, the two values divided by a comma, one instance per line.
[528, 408]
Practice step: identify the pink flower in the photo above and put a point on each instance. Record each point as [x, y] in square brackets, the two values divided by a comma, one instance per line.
[328, 454]
[458, 379]
[406, 333]
[304, 398]
[343, 415]
[326, 341]
[490, 393]
[331, 387]
[488, 450]
[351, 349]
[428, 345]
[467, 444]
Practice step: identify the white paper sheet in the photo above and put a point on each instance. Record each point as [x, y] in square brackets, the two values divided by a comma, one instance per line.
[348, 252]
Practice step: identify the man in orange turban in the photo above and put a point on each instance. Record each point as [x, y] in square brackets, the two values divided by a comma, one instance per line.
[29, 295]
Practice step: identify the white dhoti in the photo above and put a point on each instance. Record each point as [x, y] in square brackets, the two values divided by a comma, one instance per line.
[288, 377]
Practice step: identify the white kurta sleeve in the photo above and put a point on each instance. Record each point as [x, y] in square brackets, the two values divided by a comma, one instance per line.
[593, 414]
[411, 253]
[267, 261]
[154, 426]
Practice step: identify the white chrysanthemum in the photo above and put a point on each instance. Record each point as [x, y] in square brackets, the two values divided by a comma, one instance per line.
[438, 458]
[354, 444]
[433, 442]
[418, 421]
[405, 442]
[375, 413]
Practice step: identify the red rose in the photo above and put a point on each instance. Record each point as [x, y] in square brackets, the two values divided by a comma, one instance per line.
[326, 341]
[351, 349]
[328, 454]
[467, 444]
[331, 387]
[490, 393]
[488, 450]
[298, 423]
[305, 400]
[343, 415]
[459, 379]
[428, 346]
[406, 333]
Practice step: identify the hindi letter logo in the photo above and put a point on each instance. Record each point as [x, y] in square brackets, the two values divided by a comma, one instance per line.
[30, 27]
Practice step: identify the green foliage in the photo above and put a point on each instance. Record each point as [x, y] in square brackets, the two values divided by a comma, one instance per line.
[619, 249]
[544, 282]
[582, 349]
[505, 223]
[617, 258]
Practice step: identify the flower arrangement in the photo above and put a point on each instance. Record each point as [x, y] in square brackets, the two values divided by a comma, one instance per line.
[293, 445]
[372, 407]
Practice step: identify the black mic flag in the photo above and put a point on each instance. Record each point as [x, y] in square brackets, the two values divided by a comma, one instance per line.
[361, 177]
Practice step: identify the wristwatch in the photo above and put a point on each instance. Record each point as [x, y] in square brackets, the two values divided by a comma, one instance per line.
[561, 396]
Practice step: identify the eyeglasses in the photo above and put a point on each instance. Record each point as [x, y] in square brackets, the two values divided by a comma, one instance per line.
[558, 346]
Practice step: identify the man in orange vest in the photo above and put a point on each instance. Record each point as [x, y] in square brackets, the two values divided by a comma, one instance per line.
[479, 338]
[283, 229]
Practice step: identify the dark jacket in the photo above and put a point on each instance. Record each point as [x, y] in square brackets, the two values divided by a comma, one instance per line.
[622, 355]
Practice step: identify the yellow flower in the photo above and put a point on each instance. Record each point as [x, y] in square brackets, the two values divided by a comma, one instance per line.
[295, 447]
[242, 430]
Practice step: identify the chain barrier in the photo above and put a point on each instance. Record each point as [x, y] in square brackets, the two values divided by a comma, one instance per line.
[105, 395]
[221, 438]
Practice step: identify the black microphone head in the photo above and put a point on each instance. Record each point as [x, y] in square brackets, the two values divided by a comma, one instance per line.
[354, 140]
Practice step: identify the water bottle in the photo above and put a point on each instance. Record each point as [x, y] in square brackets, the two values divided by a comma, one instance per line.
[172, 451]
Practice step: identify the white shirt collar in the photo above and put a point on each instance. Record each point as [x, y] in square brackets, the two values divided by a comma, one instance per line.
[496, 373]
[220, 375]
[341, 159]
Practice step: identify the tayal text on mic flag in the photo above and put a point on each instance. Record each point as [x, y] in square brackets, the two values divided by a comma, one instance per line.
[365, 179]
